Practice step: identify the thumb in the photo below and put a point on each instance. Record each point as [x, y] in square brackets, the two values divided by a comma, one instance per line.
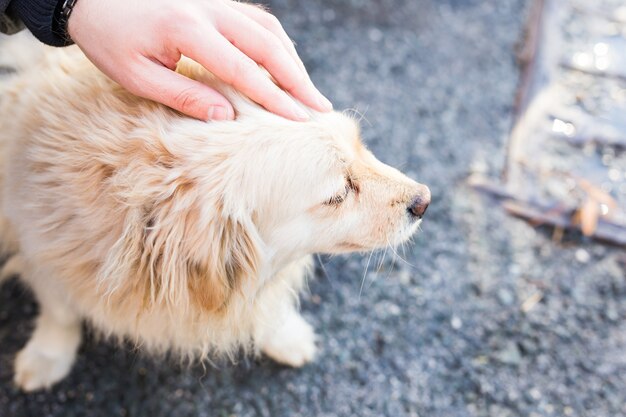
[181, 93]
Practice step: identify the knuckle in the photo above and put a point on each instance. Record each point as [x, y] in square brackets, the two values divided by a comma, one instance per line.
[170, 18]
[186, 100]
[277, 48]
[275, 96]
[290, 79]
[243, 69]
[272, 52]
[271, 22]
[177, 21]
[296, 81]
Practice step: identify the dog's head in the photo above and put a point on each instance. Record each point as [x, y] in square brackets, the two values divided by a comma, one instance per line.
[314, 187]
[255, 194]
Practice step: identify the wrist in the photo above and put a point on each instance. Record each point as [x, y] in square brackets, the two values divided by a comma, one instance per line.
[62, 15]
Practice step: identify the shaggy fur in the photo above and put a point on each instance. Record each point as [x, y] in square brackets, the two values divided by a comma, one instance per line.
[176, 234]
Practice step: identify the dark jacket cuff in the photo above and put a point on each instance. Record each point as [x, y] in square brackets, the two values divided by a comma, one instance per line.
[39, 17]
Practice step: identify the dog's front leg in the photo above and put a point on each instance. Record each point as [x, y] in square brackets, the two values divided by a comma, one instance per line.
[292, 342]
[287, 338]
[50, 353]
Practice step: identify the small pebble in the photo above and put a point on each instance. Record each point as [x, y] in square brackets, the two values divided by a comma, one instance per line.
[612, 313]
[582, 256]
[505, 297]
[535, 394]
[510, 355]
[375, 35]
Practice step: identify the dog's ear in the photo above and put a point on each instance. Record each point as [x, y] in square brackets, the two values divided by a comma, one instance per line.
[233, 256]
[183, 258]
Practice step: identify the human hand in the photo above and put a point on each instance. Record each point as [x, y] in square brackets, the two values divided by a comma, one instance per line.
[137, 43]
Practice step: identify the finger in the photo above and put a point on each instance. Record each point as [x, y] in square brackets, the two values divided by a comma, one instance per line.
[183, 94]
[267, 49]
[271, 23]
[237, 69]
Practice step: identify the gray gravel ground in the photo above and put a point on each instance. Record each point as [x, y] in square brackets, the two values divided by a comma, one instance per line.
[440, 334]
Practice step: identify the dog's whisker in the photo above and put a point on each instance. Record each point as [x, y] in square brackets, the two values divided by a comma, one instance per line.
[361, 115]
[364, 118]
[382, 260]
[401, 258]
[403, 165]
[321, 263]
[404, 246]
[393, 264]
[365, 273]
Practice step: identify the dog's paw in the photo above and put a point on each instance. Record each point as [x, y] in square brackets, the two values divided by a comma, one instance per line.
[35, 369]
[292, 344]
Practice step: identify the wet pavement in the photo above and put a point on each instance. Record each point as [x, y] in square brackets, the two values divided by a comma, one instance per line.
[485, 315]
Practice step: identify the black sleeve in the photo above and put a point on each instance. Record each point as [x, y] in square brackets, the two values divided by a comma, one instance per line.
[39, 17]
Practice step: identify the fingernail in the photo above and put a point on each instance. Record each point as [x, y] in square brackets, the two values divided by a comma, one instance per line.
[324, 103]
[219, 113]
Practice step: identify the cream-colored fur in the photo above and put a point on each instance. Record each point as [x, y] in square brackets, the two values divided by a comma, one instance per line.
[176, 234]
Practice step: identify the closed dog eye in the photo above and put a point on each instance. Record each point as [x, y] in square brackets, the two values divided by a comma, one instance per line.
[339, 198]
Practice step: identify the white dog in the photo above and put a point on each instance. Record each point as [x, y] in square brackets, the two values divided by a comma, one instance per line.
[176, 234]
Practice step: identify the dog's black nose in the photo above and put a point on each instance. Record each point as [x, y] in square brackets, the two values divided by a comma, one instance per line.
[420, 203]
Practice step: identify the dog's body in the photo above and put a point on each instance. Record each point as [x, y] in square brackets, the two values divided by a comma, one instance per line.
[173, 233]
